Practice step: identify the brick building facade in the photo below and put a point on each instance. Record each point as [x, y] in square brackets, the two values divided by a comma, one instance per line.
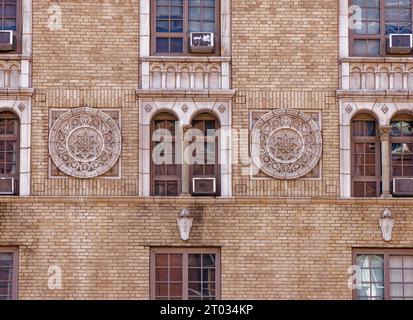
[93, 217]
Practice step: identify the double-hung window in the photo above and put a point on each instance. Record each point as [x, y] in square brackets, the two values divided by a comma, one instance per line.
[10, 19]
[174, 20]
[369, 32]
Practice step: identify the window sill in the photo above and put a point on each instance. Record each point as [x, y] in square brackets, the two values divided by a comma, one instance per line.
[375, 93]
[14, 56]
[151, 93]
[388, 59]
[200, 59]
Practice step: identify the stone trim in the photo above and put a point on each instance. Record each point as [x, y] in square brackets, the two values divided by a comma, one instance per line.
[22, 108]
[149, 107]
[383, 111]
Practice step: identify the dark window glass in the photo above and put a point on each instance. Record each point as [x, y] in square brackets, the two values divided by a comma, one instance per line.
[9, 16]
[366, 169]
[165, 171]
[8, 268]
[9, 150]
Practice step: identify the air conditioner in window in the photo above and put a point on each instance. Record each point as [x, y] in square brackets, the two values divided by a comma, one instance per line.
[403, 186]
[6, 40]
[7, 186]
[400, 43]
[202, 42]
[204, 186]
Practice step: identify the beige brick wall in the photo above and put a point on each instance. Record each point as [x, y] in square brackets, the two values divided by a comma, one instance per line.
[278, 239]
[97, 46]
[271, 248]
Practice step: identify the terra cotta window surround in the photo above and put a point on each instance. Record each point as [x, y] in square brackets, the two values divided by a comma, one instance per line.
[379, 19]
[385, 274]
[366, 157]
[172, 21]
[185, 274]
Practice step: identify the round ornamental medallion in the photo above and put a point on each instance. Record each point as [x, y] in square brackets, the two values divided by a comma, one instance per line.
[286, 144]
[85, 143]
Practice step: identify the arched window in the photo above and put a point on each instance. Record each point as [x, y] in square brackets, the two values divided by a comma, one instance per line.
[205, 172]
[9, 153]
[402, 146]
[366, 164]
[165, 172]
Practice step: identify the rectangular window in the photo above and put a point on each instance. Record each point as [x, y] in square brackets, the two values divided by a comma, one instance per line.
[10, 19]
[384, 274]
[174, 20]
[185, 274]
[8, 273]
[379, 18]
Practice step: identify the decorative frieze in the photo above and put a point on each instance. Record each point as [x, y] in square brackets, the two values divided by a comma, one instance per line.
[14, 72]
[380, 75]
[185, 74]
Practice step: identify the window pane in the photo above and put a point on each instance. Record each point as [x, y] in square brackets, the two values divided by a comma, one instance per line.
[194, 260]
[161, 274]
[176, 45]
[162, 26]
[162, 45]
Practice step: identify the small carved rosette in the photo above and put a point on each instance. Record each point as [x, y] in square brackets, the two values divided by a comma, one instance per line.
[286, 144]
[85, 143]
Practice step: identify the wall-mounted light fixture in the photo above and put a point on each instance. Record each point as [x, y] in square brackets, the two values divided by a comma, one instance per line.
[185, 224]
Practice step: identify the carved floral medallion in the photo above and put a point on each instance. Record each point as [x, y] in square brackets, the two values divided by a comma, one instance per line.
[85, 143]
[286, 144]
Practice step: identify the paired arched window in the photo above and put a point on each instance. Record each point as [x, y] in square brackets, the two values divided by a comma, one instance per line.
[366, 154]
[202, 163]
[9, 153]
[366, 160]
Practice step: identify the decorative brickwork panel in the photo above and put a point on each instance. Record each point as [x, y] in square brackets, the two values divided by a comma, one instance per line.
[85, 142]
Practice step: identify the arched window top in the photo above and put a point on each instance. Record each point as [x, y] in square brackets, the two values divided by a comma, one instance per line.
[402, 125]
[9, 123]
[364, 125]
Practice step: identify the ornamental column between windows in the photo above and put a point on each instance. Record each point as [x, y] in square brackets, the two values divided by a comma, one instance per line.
[384, 132]
[185, 162]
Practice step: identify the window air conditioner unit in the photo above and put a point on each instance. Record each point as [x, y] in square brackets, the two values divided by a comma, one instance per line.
[400, 43]
[202, 42]
[7, 186]
[403, 186]
[6, 40]
[204, 186]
